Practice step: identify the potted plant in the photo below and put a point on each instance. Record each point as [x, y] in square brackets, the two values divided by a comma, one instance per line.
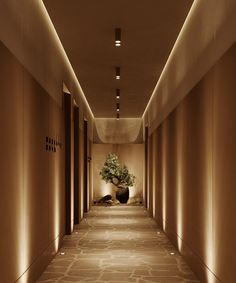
[119, 176]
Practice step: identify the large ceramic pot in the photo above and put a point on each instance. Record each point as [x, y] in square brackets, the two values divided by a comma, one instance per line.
[122, 194]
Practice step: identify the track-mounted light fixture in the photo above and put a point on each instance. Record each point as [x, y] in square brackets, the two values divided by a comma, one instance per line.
[117, 107]
[117, 73]
[117, 94]
[118, 37]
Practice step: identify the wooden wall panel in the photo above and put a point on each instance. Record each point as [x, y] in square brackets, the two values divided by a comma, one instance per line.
[31, 181]
[81, 173]
[195, 167]
[154, 173]
[158, 169]
[36, 169]
[11, 167]
[56, 180]
[224, 173]
[150, 176]
[170, 171]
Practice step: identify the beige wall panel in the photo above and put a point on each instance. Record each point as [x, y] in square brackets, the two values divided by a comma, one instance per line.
[35, 170]
[11, 167]
[198, 169]
[81, 173]
[100, 188]
[184, 166]
[25, 208]
[170, 172]
[131, 155]
[224, 201]
[150, 176]
[56, 186]
[72, 167]
[181, 121]
[90, 176]
[154, 172]
[158, 169]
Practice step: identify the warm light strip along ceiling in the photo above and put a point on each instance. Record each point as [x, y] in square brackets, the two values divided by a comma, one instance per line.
[65, 55]
[168, 62]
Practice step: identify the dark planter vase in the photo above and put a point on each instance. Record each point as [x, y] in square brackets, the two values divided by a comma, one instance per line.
[122, 194]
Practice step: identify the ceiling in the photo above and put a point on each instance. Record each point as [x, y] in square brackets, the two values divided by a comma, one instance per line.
[149, 29]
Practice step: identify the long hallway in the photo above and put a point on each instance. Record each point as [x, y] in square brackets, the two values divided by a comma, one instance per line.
[117, 244]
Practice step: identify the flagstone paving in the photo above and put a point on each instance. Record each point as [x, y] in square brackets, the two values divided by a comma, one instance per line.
[117, 244]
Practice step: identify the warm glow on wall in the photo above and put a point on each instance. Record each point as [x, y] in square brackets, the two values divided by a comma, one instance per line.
[179, 178]
[179, 206]
[105, 189]
[164, 179]
[132, 191]
[23, 244]
[23, 234]
[154, 166]
[56, 200]
[209, 243]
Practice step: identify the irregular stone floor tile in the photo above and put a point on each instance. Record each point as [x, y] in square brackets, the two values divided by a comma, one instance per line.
[117, 244]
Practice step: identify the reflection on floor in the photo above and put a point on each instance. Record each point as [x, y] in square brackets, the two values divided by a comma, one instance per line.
[117, 244]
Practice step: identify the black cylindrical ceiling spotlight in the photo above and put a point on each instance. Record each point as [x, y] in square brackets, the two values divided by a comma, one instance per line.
[117, 73]
[117, 116]
[117, 107]
[118, 37]
[117, 94]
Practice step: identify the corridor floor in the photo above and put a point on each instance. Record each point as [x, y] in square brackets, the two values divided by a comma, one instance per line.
[117, 244]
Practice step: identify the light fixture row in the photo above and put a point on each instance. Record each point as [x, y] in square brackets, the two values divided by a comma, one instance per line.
[117, 69]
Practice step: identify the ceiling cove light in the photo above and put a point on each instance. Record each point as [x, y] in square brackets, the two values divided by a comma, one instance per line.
[117, 94]
[117, 37]
[117, 73]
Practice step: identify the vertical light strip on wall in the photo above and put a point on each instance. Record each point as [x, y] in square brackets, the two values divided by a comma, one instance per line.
[210, 253]
[180, 119]
[154, 166]
[164, 141]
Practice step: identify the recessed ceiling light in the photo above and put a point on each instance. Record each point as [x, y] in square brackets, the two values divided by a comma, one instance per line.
[118, 37]
[118, 94]
[172, 253]
[117, 116]
[117, 73]
[117, 107]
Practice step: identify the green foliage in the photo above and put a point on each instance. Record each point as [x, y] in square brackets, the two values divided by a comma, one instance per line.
[113, 172]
